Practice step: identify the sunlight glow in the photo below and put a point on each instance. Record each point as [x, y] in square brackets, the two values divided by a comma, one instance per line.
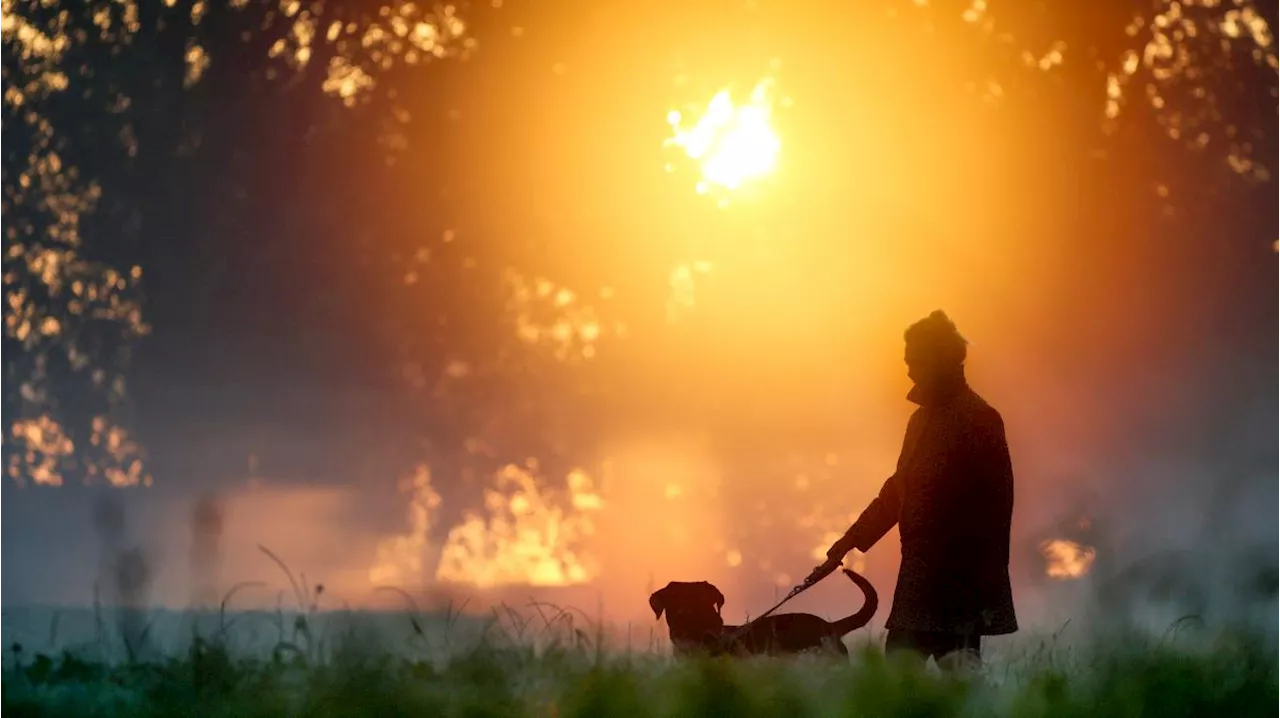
[527, 534]
[732, 143]
[1066, 560]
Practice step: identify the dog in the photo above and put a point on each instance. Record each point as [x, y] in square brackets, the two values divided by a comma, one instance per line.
[695, 625]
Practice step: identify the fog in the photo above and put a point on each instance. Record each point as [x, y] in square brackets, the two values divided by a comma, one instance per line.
[517, 349]
[1182, 521]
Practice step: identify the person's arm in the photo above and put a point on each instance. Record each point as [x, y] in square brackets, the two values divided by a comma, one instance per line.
[882, 513]
[876, 520]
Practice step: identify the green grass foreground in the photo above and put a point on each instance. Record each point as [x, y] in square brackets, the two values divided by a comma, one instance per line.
[1232, 677]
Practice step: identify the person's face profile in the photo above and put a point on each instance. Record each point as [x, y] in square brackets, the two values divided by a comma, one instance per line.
[917, 363]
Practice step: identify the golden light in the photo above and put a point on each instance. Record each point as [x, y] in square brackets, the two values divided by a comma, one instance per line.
[1066, 560]
[732, 143]
[526, 535]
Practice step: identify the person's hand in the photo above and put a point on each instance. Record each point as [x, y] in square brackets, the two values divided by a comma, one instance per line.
[821, 572]
[839, 549]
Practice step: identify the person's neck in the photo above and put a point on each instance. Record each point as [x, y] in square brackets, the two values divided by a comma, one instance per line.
[941, 388]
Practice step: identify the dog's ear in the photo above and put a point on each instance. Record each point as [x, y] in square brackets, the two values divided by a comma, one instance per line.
[714, 594]
[658, 603]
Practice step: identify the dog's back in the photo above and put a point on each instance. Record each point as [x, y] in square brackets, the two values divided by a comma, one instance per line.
[783, 633]
[796, 632]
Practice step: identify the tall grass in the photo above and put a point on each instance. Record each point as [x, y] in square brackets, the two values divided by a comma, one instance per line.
[501, 676]
[551, 662]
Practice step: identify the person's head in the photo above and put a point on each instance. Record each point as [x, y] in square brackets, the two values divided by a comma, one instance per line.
[934, 349]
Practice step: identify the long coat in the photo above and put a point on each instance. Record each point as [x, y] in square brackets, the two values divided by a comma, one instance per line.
[952, 499]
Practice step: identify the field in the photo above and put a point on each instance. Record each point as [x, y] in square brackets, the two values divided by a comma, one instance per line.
[417, 664]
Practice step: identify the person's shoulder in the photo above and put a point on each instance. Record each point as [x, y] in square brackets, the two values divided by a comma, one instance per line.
[984, 412]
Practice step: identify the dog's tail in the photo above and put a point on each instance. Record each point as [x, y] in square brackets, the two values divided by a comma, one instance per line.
[871, 601]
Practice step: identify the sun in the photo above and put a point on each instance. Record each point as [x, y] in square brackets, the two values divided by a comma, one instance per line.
[732, 143]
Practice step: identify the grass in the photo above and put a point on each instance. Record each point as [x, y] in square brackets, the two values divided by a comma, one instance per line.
[549, 662]
[499, 675]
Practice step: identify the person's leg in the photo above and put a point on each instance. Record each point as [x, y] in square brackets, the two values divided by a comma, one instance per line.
[900, 644]
[961, 652]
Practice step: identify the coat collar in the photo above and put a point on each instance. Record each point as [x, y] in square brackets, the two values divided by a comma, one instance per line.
[943, 391]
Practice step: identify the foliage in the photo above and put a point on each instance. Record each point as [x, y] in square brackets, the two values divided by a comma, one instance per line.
[1233, 677]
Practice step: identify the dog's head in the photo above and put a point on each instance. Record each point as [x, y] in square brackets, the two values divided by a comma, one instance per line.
[693, 611]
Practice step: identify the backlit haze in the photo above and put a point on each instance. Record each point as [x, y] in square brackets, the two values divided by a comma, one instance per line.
[569, 300]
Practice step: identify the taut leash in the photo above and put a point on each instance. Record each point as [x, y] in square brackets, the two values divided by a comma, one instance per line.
[817, 575]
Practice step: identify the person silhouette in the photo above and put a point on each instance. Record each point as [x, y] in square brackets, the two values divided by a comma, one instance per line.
[952, 500]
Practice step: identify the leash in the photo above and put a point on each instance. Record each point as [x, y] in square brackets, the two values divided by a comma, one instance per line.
[829, 567]
[817, 575]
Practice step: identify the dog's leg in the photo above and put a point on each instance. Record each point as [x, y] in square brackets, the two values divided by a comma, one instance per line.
[834, 645]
